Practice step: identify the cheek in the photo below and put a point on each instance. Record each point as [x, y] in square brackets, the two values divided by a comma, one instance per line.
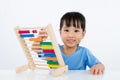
[62, 35]
[79, 38]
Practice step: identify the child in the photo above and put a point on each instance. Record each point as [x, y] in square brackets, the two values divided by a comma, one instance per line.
[72, 30]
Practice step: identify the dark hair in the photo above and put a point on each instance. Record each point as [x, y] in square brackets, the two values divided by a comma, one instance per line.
[73, 18]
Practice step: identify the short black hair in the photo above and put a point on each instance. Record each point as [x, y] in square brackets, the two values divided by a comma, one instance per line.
[77, 18]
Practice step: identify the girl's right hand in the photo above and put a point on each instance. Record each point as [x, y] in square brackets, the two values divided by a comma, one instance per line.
[43, 33]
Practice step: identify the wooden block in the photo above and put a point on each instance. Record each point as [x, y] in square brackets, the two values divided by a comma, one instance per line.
[22, 68]
[59, 71]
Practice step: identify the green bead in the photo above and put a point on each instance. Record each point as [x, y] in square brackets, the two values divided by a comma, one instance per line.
[45, 43]
[53, 62]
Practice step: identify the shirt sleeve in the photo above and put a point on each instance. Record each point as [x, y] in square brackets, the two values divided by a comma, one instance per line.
[91, 59]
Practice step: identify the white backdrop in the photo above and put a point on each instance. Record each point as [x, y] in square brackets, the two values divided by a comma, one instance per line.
[103, 22]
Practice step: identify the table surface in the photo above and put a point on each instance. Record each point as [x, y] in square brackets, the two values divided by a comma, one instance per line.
[70, 75]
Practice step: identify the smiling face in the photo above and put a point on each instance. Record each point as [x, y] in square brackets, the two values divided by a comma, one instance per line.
[71, 36]
[72, 29]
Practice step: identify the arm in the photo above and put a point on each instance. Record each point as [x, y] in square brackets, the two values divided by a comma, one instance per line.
[96, 67]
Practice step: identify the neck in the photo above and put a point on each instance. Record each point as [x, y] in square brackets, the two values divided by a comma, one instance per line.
[69, 50]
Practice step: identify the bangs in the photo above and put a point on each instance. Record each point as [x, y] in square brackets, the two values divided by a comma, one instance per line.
[72, 22]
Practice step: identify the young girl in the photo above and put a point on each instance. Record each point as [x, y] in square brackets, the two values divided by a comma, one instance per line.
[72, 30]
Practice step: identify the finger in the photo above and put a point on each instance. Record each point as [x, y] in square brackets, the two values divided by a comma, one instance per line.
[96, 71]
[44, 37]
[43, 34]
[42, 30]
[92, 71]
[102, 71]
[99, 72]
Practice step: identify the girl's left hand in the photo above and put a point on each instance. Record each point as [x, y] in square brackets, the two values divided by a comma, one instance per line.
[97, 69]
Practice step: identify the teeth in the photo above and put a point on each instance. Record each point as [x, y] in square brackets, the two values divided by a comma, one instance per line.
[70, 40]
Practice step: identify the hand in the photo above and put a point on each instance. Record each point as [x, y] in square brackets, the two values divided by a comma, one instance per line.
[97, 69]
[43, 33]
[36, 45]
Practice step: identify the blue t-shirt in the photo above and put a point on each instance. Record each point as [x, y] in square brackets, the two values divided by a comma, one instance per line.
[81, 58]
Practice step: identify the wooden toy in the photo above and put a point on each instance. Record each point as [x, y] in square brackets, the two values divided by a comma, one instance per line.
[41, 50]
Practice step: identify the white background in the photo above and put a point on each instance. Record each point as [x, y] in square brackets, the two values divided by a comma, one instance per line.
[103, 22]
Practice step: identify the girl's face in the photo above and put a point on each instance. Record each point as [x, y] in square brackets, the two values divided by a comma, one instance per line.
[71, 36]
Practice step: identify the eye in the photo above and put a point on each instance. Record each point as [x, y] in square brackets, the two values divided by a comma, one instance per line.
[66, 30]
[77, 31]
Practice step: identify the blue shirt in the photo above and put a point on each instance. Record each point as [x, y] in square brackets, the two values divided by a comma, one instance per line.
[81, 58]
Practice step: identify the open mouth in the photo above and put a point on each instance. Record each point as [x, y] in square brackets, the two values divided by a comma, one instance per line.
[70, 41]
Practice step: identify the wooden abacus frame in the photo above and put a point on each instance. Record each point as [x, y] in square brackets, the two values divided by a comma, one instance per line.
[31, 65]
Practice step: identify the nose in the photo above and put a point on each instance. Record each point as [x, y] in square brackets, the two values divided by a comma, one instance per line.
[71, 34]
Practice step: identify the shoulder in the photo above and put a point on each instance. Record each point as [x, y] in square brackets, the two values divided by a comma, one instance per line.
[82, 48]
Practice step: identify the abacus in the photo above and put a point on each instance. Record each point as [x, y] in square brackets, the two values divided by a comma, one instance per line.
[41, 50]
